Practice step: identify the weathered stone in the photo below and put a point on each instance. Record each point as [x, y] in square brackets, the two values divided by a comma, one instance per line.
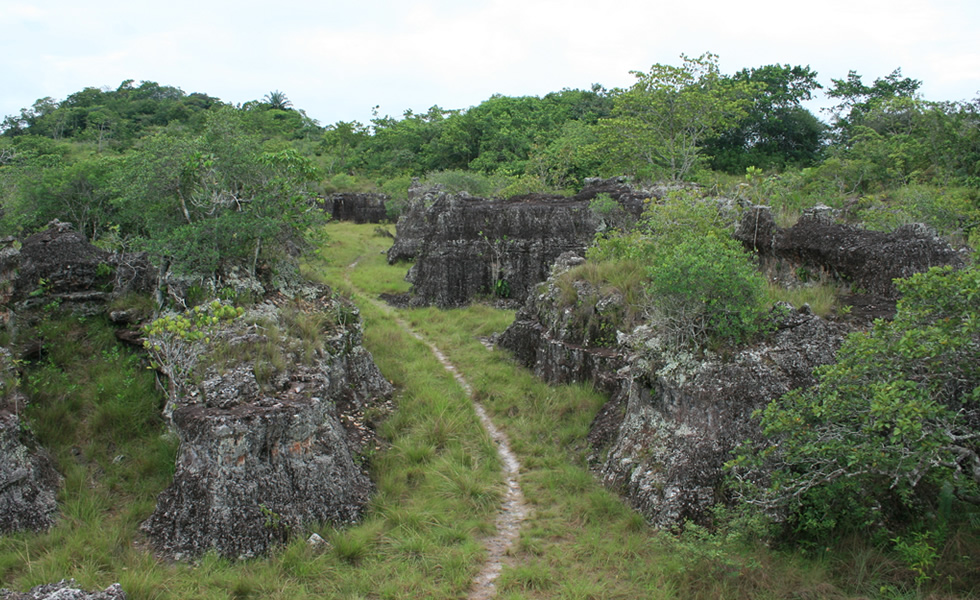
[261, 459]
[359, 208]
[672, 419]
[28, 480]
[866, 260]
[683, 416]
[58, 265]
[64, 590]
[467, 247]
[411, 225]
[546, 338]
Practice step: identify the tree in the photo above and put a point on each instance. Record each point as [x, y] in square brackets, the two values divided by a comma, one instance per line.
[277, 100]
[858, 99]
[203, 203]
[889, 428]
[660, 123]
[777, 131]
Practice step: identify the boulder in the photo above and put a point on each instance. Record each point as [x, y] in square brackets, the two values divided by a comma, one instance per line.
[264, 453]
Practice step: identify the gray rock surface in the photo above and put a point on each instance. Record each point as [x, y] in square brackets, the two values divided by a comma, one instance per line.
[867, 260]
[682, 416]
[359, 208]
[263, 456]
[467, 247]
[64, 590]
[29, 482]
[672, 419]
[551, 341]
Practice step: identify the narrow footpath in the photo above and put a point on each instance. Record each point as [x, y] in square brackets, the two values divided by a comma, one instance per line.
[513, 509]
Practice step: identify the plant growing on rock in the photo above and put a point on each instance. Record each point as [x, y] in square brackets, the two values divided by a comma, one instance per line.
[176, 341]
[706, 291]
[887, 428]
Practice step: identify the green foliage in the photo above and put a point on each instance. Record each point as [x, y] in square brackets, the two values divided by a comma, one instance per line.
[214, 200]
[660, 123]
[885, 427]
[706, 291]
[776, 131]
[109, 118]
[611, 214]
[177, 341]
[471, 182]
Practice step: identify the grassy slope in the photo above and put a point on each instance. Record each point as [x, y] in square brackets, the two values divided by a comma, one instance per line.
[438, 489]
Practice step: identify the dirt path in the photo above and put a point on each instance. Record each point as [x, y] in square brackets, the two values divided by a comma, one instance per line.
[513, 509]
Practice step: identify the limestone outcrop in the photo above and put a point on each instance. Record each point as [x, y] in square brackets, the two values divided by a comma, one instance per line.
[465, 247]
[268, 446]
[59, 267]
[558, 344]
[29, 482]
[357, 207]
[682, 416]
[673, 418]
[867, 260]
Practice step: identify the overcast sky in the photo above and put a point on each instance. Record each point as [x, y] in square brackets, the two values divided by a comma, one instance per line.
[337, 60]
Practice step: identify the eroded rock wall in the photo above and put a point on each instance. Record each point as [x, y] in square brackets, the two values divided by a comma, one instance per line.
[467, 247]
[29, 482]
[682, 416]
[864, 259]
[673, 418]
[261, 459]
[359, 208]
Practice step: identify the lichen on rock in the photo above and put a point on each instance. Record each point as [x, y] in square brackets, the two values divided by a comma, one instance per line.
[271, 432]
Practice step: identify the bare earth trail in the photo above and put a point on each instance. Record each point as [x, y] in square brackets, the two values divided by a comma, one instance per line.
[513, 509]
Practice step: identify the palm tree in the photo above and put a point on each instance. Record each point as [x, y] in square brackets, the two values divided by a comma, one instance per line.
[277, 100]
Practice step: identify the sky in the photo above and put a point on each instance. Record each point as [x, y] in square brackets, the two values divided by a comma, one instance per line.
[338, 60]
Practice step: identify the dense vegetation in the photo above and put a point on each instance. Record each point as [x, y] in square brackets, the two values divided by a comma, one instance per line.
[209, 190]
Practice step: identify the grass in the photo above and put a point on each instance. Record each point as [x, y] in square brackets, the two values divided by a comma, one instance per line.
[821, 297]
[438, 485]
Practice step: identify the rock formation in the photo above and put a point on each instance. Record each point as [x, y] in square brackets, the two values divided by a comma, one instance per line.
[58, 266]
[866, 260]
[682, 415]
[266, 450]
[556, 345]
[28, 480]
[64, 590]
[466, 246]
[673, 418]
[269, 409]
[410, 227]
[359, 208]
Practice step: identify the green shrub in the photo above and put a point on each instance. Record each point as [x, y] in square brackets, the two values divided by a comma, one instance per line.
[886, 427]
[707, 291]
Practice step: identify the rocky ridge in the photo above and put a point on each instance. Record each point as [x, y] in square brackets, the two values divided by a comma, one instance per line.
[673, 417]
[465, 246]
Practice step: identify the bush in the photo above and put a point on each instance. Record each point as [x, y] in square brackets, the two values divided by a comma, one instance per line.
[886, 428]
[706, 291]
